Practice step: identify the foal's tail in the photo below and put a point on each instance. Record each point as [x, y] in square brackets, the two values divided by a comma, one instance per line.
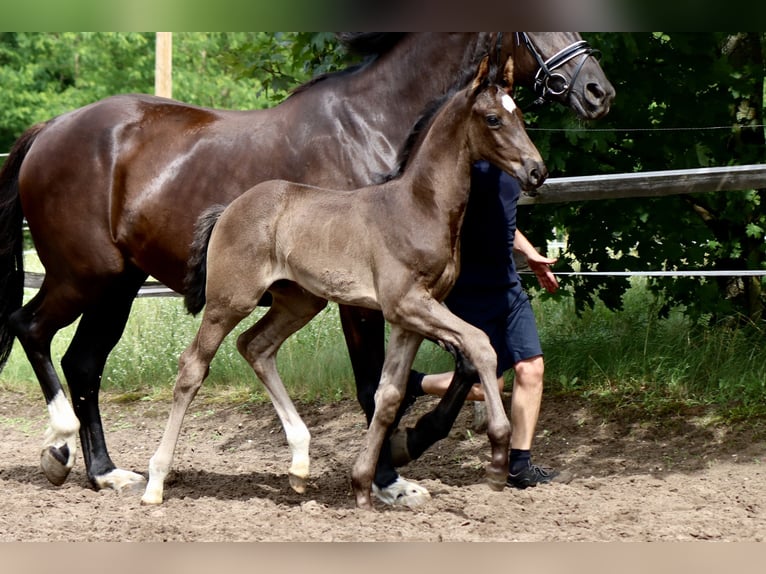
[11, 238]
[196, 267]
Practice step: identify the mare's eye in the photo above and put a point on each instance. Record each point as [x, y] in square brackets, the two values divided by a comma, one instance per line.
[493, 121]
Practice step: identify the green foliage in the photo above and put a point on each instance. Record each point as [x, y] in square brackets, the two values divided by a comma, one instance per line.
[628, 358]
[637, 356]
[671, 87]
[43, 75]
[284, 60]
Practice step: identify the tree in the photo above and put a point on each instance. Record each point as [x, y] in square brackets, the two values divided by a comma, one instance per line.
[45, 74]
[684, 100]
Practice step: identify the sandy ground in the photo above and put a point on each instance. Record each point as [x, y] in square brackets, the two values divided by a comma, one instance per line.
[669, 479]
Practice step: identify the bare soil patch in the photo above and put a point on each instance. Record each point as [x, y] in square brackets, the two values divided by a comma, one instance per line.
[670, 478]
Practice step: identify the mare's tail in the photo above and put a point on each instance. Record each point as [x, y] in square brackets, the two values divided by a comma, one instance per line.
[11, 238]
[196, 267]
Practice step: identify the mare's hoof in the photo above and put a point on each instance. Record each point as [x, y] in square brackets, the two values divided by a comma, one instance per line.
[399, 453]
[55, 464]
[402, 493]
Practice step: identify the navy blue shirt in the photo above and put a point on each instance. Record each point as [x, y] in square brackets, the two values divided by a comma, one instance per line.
[486, 239]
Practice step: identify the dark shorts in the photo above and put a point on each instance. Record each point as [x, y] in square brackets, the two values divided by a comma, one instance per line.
[506, 317]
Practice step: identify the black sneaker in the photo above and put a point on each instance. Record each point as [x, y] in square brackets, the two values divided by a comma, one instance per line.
[531, 476]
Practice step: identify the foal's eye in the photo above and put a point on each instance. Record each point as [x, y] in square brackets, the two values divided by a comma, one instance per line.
[493, 121]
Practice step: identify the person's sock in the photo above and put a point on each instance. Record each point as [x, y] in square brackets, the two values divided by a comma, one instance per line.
[519, 460]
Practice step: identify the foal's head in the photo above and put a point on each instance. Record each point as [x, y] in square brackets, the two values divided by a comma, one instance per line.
[496, 131]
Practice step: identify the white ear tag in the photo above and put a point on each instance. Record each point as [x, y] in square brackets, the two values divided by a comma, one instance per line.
[508, 103]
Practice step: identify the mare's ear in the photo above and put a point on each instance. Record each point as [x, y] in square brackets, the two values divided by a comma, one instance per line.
[508, 74]
[481, 74]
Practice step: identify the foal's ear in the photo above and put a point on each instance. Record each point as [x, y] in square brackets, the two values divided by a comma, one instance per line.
[481, 74]
[508, 74]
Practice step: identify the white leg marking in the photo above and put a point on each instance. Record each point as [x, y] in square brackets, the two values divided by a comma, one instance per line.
[62, 431]
[402, 493]
[121, 480]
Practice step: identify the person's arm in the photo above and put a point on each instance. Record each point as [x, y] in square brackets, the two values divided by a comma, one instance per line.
[539, 264]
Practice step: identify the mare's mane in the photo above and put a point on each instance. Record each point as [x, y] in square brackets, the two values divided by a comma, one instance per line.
[374, 45]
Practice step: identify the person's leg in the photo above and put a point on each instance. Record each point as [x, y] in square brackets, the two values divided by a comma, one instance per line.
[437, 384]
[529, 368]
[525, 400]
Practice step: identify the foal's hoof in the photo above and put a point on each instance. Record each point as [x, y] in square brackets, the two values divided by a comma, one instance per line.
[55, 463]
[495, 480]
[402, 493]
[399, 453]
[298, 483]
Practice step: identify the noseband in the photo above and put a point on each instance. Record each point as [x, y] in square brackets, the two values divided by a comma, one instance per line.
[549, 83]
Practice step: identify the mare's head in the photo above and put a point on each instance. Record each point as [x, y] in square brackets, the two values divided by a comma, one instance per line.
[561, 67]
[496, 129]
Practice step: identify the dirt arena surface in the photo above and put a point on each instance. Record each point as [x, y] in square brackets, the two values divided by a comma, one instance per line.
[678, 478]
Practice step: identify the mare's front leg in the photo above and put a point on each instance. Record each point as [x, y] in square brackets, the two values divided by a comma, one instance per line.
[364, 331]
[402, 347]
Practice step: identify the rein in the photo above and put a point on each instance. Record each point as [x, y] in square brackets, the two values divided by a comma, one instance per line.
[548, 82]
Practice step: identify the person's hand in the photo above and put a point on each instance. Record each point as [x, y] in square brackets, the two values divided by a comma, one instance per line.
[540, 266]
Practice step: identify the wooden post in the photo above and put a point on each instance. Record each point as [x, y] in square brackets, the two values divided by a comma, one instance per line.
[163, 69]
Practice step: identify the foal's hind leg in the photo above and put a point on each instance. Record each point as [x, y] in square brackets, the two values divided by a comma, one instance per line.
[290, 310]
[193, 368]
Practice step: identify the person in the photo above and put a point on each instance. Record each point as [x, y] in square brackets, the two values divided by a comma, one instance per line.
[488, 294]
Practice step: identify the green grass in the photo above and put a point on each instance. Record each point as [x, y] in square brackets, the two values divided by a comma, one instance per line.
[630, 359]
[633, 357]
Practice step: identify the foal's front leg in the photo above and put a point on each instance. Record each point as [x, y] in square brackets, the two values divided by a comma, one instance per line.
[437, 322]
[402, 347]
[409, 444]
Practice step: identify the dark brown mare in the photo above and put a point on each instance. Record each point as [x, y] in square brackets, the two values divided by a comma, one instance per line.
[111, 192]
[392, 247]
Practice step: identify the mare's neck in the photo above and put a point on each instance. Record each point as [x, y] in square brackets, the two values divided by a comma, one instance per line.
[402, 82]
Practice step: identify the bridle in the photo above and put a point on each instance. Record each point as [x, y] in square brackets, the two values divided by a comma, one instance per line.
[549, 83]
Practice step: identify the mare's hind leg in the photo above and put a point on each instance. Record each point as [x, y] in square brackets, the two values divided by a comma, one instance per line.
[100, 328]
[35, 325]
[291, 309]
[193, 368]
